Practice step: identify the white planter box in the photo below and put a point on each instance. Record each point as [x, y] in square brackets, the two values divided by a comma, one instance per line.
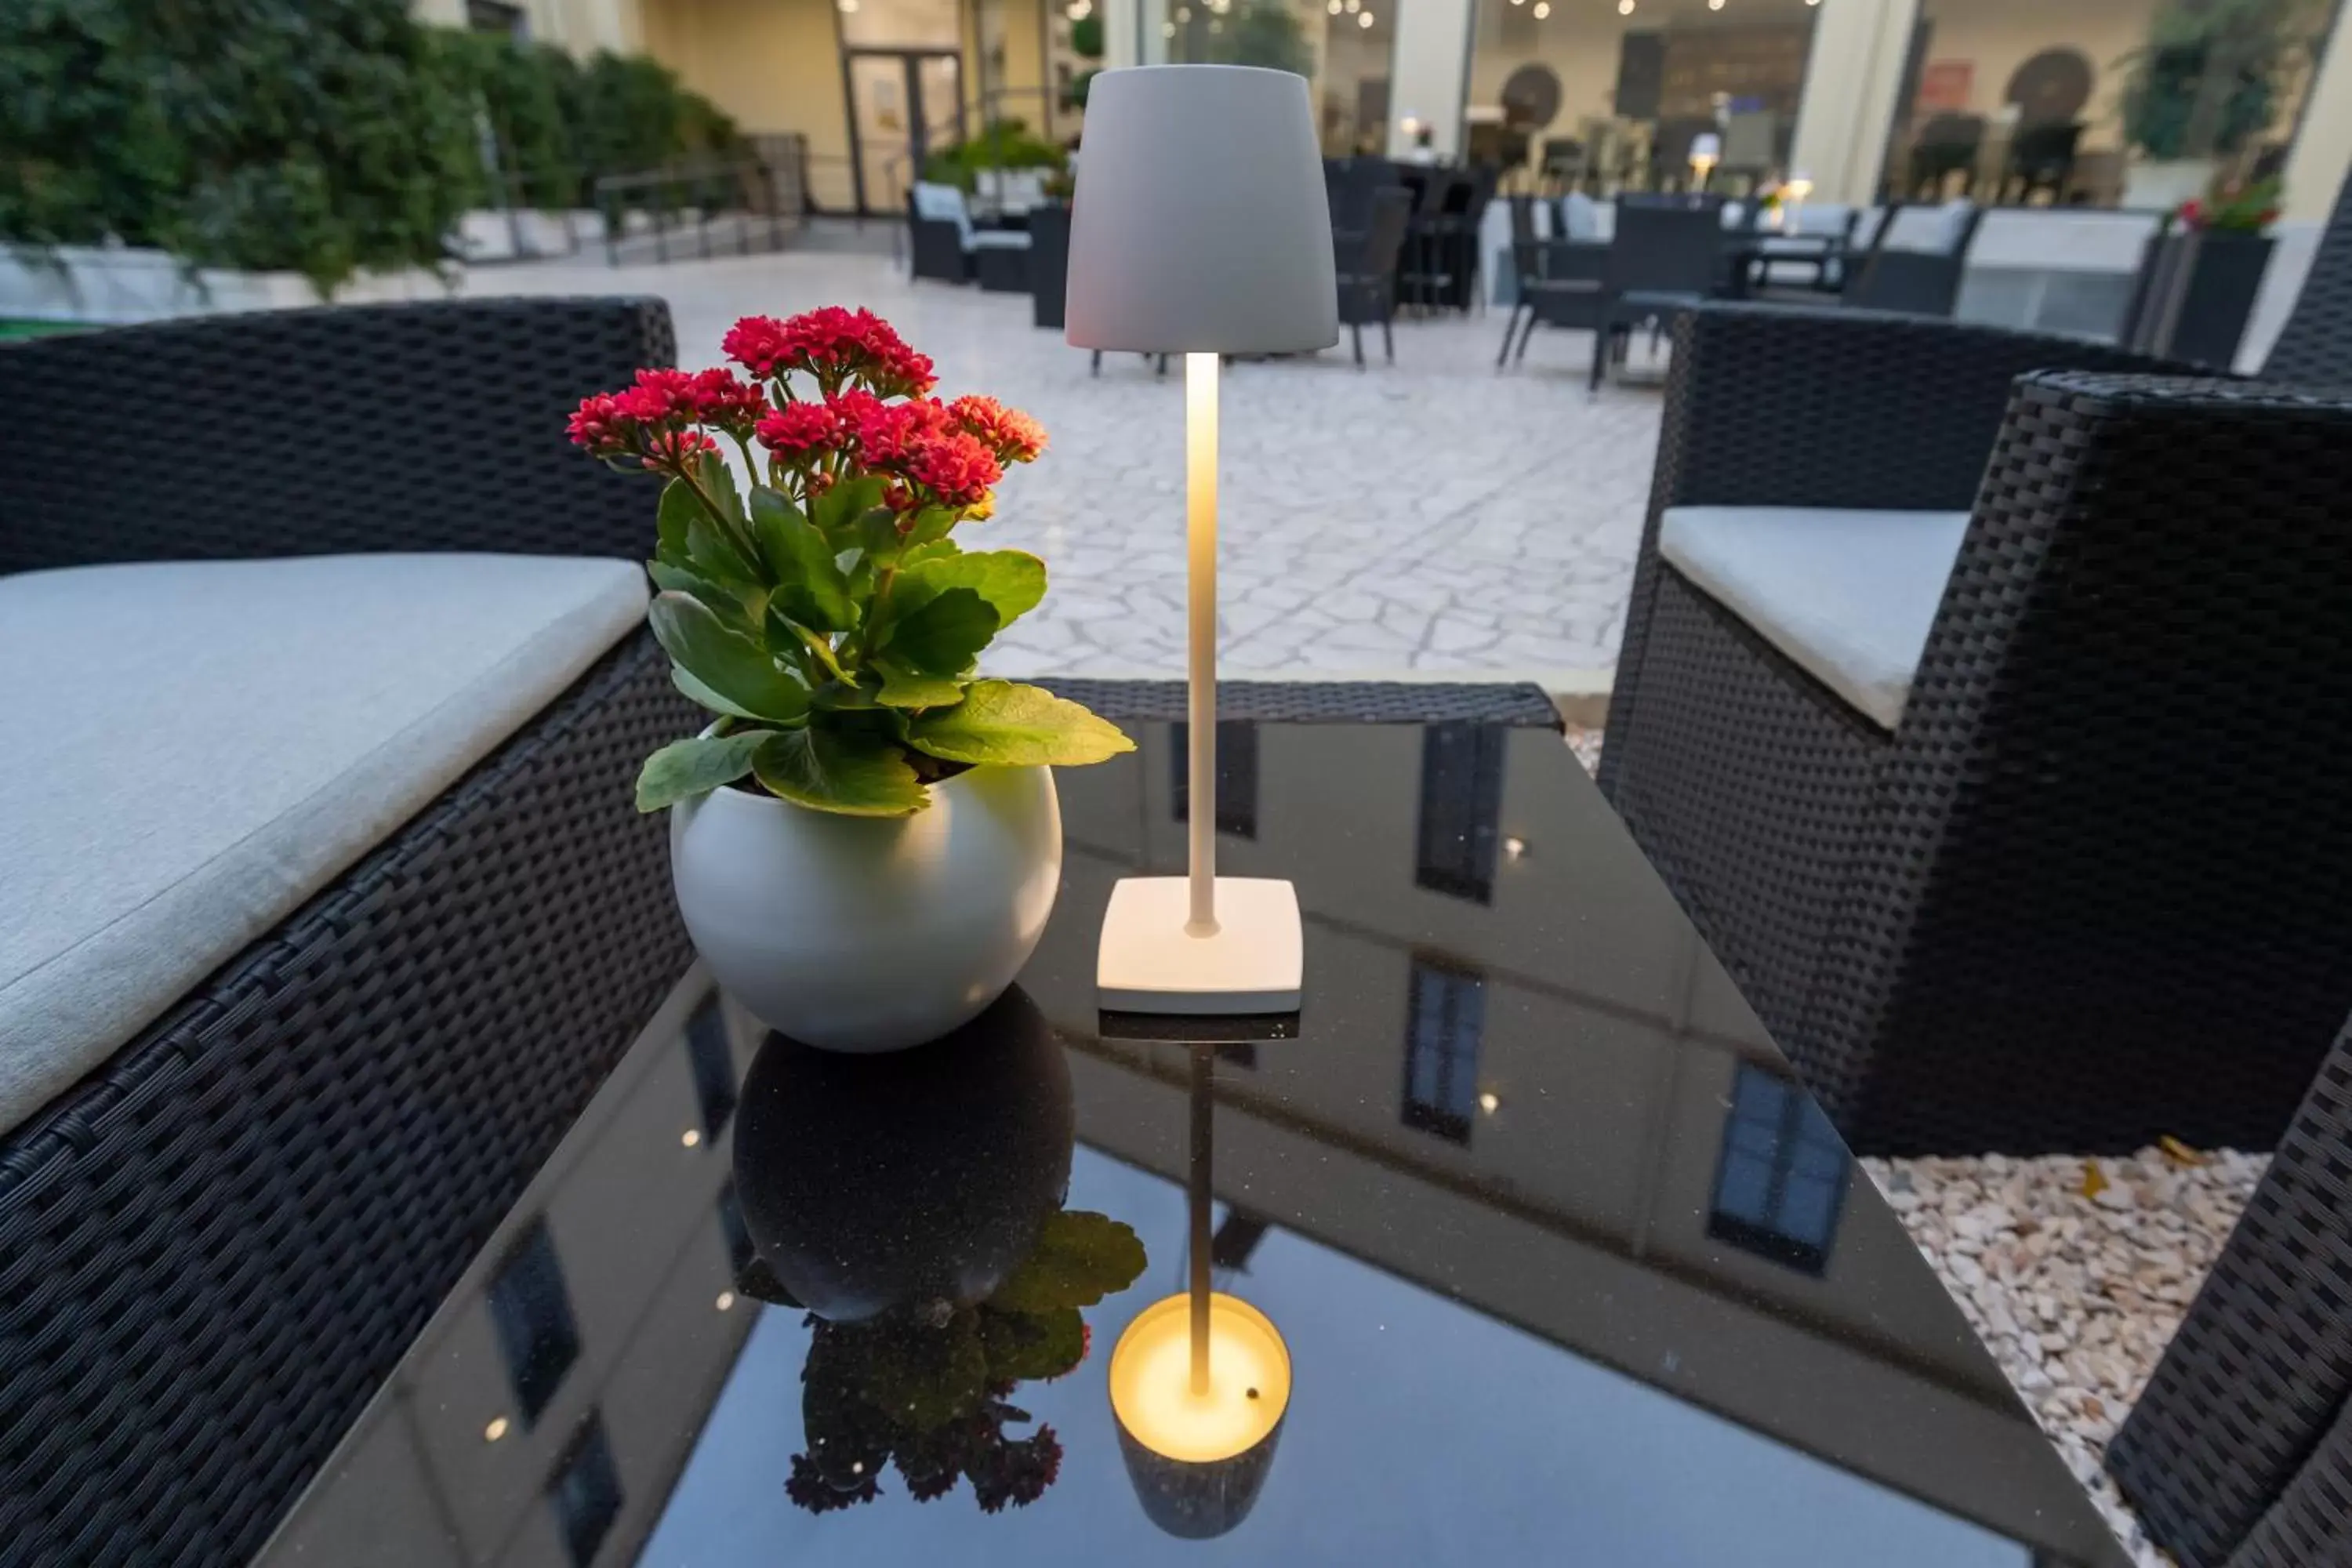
[119, 284]
[492, 234]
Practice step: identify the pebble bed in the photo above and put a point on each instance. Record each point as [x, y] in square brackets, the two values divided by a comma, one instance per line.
[2076, 1295]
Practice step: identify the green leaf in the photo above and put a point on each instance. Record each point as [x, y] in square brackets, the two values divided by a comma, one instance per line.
[730, 665]
[679, 508]
[693, 691]
[1021, 1346]
[710, 551]
[727, 604]
[846, 504]
[1079, 1258]
[696, 766]
[1016, 726]
[809, 586]
[905, 688]
[942, 635]
[922, 1377]
[1012, 581]
[855, 774]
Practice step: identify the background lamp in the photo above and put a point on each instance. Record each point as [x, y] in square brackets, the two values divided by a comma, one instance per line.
[1706, 152]
[1200, 226]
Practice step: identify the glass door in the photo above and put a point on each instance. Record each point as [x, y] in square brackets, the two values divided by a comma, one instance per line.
[905, 104]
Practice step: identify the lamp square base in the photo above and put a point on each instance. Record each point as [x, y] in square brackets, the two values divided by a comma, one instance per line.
[1148, 964]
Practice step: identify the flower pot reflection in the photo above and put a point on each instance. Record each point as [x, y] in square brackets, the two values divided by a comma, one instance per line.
[911, 1203]
[913, 1182]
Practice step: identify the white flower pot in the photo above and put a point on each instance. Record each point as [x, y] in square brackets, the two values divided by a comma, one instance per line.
[859, 933]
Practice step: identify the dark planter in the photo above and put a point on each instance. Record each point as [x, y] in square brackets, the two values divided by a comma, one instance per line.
[2195, 293]
[1049, 262]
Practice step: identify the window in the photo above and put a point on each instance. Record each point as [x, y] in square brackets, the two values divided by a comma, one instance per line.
[1606, 97]
[532, 1313]
[2134, 103]
[1342, 48]
[1780, 1185]
[713, 1064]
[1461, 807]
[1236, 775]
[491, 17]
[1446, 1015]
[1235, 1240]
[740, 1251]
[585, 1491]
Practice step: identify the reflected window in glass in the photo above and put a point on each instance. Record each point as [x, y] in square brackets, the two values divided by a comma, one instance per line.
[1780, 1185]
[1460, 809]
[1236, 775]
[585, 1492]
[1444, 1018]
[714, 1065]
[531, 1309]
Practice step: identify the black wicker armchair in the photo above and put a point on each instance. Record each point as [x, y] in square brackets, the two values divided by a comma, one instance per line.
[212, 1248]
[2081, 885]
[2239, 1452]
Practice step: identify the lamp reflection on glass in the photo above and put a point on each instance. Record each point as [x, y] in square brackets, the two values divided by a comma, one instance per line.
[1199, 1382]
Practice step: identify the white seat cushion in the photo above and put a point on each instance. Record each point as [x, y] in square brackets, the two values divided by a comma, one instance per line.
[197, 747]
[1849, 596]
[997, 239]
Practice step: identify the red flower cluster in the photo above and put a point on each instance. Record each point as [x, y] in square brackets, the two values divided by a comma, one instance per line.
[651, 422]
[1012, 435]
[930, 452]
[799, 429]
[836, 346]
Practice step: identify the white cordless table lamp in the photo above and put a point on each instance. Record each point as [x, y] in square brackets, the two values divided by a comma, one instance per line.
[1200, 227]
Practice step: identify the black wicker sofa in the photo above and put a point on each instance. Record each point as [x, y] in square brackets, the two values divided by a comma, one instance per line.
[216, 1241]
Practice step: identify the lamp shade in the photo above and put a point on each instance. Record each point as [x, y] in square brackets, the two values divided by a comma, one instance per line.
[1200, 224]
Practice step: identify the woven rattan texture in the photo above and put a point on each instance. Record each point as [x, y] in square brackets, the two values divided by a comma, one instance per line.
[2054, 934]
[2314, 348]
[2252, 1387]
[434, 425]
[2311, 1522]
[212, 1254]
[1749, 823]
[1320, 702]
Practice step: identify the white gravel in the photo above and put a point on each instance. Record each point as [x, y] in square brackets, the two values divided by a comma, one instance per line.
[2076, 1295]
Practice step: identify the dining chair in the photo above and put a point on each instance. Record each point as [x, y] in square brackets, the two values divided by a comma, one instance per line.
[1365, 263]
[1559, 279]
[1666, 257]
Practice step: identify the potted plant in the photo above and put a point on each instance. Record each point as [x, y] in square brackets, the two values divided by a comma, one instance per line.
[2203, 272]
[2205, 87]
[865, 841]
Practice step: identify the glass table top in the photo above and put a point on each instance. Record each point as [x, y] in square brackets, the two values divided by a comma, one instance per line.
[1564, 1264]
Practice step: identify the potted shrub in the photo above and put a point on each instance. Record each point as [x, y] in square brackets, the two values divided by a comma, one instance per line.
[2201, 274]
[865, 841]
[2205, 87]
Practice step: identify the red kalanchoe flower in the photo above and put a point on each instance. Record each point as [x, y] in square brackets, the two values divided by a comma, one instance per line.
[759, 344]
[659, 397]
[600, 426]
[956, 467]
[799, 429]
[1012, 435]
[720, 399]
[889, 434]
[672, 451]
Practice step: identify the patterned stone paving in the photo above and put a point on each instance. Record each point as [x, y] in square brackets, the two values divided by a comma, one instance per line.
[1431, 518]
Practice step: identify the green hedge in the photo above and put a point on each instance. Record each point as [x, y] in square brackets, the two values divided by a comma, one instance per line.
[316, 136]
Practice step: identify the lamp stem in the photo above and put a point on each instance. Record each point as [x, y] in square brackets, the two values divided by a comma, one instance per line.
[1197, 1206]
[1201, 529]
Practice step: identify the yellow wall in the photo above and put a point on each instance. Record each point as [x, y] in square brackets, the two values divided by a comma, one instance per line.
[772, 65]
